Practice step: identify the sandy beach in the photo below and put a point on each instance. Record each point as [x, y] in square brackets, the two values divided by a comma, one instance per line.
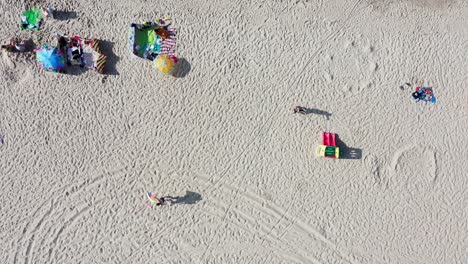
[79, 151]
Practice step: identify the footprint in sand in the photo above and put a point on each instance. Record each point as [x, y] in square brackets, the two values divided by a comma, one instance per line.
[375, 166]
[355, 61]
[414, 168]
[7, 60]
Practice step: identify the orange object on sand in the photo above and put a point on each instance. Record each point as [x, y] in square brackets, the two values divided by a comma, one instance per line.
[163, 33]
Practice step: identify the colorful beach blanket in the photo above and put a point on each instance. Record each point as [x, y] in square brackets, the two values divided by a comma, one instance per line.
[145, 43]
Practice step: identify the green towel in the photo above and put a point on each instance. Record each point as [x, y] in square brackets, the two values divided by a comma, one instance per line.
[31, 19]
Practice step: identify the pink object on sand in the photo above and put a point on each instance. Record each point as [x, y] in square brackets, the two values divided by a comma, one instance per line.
[328, 139]
[168, 45]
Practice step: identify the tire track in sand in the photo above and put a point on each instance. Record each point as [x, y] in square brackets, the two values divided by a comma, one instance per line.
[29, 248]
[58, 194]
[25, 230]
[67, 224]
[275, 210]
[211, 182]
[242, 180]
[304, 228]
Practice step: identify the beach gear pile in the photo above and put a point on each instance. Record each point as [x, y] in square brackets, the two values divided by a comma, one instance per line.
[425, 94]
[328, 148]
[155, 41]
[82, 52]
[71, 51]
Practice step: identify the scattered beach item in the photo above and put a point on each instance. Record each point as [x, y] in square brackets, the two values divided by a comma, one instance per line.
[82, 52]
[150, 39]
[50, 58]
[32, 19]
[169, 44]
[165, 64]
[300, 110]
[425, 94]
[74, 50]
[163, 33]
[328, 148]
[402, 87]
[50, 12]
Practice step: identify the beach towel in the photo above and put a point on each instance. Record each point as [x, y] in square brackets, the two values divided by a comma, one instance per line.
[169, 44]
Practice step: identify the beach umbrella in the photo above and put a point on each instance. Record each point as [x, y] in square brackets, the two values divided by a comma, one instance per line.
[165, 64]
[50, 59]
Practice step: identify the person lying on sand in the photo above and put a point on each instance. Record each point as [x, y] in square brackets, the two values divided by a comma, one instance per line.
[15, 45]
[300, 110]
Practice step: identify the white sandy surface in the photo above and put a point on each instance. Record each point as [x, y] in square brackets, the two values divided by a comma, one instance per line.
[80, 151]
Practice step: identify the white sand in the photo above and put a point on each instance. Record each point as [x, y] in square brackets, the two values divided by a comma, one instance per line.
[79, 154]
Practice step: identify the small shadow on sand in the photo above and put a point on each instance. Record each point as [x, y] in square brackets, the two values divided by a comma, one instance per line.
[348, 152]
[317, 112]
[64, 15]
[188, 198]
[183, 68]
[74, 70]
[107, 48]
[306, 111]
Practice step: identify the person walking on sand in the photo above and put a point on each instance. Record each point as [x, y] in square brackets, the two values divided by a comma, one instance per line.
[153, 200]
[300, 110]
[161, 201]
[166, 200]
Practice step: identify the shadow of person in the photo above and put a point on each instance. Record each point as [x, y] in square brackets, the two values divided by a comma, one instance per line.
[74, 70]
[348, 152]
[188, 198]
[317, 112]
[64, 15]
[107, 48]
[183, 67]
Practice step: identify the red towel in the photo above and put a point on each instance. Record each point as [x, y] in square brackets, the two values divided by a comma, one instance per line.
[168, 45]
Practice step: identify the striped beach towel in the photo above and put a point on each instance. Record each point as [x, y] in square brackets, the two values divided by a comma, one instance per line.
[168, 45]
